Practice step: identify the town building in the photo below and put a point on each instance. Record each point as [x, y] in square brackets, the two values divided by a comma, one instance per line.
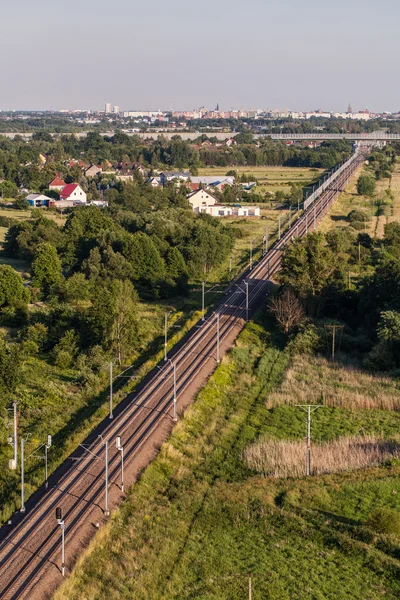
[73, 193]
[57, 184]
[92, 171]
[39, 200]
[201, 200]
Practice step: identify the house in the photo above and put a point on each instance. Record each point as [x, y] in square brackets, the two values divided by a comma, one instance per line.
[38, 200]
[92, 171]
[73, 192]
[230, 142]
[155, 182]
[218, 210]
[217, 181]
[201, 200]
[168, 176]
[57, 184]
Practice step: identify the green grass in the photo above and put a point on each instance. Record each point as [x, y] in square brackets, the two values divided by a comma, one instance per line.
[57, 401]
[380, 210]
[198, 521]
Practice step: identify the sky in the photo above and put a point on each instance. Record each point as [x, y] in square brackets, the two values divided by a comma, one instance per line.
[296, 54]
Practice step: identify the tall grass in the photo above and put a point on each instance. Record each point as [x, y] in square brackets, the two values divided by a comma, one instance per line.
[318, 381]
[286, 458]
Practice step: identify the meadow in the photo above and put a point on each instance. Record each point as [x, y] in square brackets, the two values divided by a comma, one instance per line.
[270, 179]
[381, 210]
[200, 520]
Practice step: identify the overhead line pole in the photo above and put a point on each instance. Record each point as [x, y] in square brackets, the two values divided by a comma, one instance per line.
[111, 391]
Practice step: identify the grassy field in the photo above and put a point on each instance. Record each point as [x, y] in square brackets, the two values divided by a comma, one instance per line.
[380, 211]
[200, 520]
[270, 179]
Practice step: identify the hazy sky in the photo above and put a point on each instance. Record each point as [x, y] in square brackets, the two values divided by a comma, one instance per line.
[301, 55]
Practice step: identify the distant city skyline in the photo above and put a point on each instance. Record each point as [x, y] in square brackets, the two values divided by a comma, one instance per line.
[263, 55]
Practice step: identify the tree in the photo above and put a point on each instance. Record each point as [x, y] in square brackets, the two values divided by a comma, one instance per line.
[10, 369]
[113, 317]
[46, 268]
[12, 288]
[287, 309]
[366, 185]
[309, 266]
[389, 333]
[8, 189]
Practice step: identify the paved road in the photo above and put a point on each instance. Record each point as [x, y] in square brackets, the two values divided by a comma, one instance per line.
[30, 550]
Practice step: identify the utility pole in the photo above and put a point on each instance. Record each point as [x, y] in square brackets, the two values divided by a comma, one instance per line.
[334, 328]
[250, 590]
[105, 444]
[230, 268]
[15, 440]
[218, 356]
[290, 217]
[60, 521]
[120, 449]
[165, 335]
[202, 299]
[47, 446]
[279, 227]
[247, 300]
[251, 254]
[111, 391]
[315, 218]
[297, 228]
[359, 252]
[306, 223]
[266, 240]
[22, 475]
[308, 408]
[175, 418]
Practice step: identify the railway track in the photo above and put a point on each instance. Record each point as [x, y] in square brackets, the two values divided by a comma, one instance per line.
[30, 550]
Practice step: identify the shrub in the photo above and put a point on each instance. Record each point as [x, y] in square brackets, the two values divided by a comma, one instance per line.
[307, 341]
[357, 215]
[365, 185]
[385, 520]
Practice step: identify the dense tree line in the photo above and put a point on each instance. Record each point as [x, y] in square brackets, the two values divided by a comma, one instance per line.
[21, 163]
[318, 271]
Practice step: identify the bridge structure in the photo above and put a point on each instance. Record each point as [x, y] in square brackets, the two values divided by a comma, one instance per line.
[371, 137]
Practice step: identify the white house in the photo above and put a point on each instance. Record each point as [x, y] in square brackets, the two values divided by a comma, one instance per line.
[217, 181]
[73, 192]
[155, 182]
[200, 200]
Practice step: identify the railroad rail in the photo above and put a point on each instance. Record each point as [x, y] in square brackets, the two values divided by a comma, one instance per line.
[30, 548]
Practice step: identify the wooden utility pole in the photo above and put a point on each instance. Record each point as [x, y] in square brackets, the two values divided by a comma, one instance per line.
[308, 408]
[334, 329]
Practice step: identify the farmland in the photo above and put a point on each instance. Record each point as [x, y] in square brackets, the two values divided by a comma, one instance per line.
[270, 179]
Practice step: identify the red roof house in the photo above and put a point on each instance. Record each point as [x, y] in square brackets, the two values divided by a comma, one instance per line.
[57, 183]
[73, 192]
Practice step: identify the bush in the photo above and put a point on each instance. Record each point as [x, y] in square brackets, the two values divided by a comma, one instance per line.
[357, 215]
[385, 520]
[307, 341]
[365, 185]
[358, 225]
